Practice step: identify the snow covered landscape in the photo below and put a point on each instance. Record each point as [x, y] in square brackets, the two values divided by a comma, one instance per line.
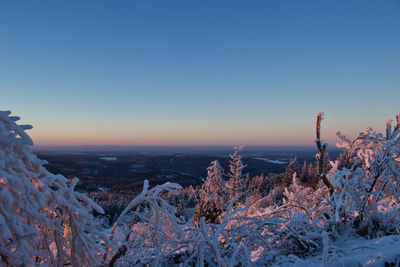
[176, 133]
[348, 216]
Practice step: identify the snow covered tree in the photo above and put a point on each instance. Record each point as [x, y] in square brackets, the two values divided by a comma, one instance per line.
[42, 219]
[213, 198]
[304, 177]
[235, 183]
[289, 171]
[308, 175]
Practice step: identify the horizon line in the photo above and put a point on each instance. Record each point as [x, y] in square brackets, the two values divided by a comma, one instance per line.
[163, 148]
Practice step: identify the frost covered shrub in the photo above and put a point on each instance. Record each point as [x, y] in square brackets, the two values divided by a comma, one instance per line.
[42, 219]
[148, 229]
[246, 236]
[366, 180]
[305, 211]
[295, 226]
[152, 235]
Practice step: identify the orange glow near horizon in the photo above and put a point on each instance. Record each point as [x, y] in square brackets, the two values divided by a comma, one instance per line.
[171, 137]
[270, 132]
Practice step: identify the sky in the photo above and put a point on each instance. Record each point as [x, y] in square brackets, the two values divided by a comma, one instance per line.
[199, 72]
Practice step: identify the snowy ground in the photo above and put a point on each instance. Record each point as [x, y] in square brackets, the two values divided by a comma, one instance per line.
[384, 251]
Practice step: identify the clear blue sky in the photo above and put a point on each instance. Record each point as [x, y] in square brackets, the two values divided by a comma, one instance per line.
[198, 72]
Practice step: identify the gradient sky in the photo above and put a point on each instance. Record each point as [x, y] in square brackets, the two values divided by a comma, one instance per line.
[198, 72]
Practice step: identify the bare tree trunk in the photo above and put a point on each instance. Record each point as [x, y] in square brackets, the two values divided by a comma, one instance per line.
[321, 155]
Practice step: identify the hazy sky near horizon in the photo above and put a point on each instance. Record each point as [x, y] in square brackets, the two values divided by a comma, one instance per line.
[199, 72]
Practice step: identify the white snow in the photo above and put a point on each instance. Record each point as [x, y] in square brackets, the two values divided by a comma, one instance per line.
[275, 161]
[109, 158]
[356, 252]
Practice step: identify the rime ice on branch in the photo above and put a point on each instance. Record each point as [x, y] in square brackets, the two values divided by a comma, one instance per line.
[42, 219]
